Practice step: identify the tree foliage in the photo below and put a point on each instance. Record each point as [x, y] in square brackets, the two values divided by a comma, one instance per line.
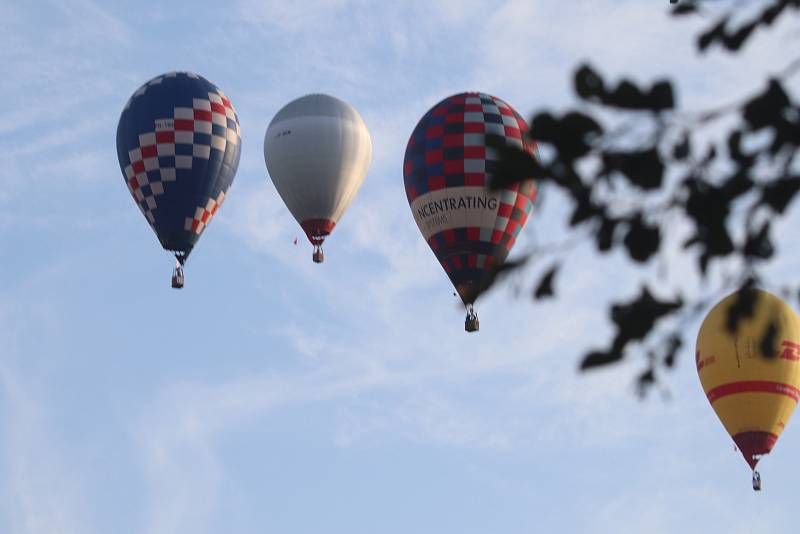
[730, 192]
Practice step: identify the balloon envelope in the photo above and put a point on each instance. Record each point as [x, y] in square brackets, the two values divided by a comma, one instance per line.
[448, 166]
[751, 375]
[178, 144]
[317, 150]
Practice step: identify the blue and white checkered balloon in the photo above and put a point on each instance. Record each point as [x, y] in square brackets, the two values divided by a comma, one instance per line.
[178, 143]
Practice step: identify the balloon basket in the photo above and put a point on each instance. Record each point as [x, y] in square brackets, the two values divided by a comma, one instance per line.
[177, 272]
[318, 255]
[471, 323]
[177, 278]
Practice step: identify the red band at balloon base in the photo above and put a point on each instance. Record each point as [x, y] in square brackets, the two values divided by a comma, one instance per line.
[754, 444]
[317, 229]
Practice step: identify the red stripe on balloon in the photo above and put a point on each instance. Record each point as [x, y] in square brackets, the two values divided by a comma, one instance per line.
[753, 386]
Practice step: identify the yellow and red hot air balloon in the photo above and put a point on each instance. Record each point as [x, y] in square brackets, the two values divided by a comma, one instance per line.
[750, 369]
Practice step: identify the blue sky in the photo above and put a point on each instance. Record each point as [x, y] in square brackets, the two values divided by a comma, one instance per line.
[275, 395]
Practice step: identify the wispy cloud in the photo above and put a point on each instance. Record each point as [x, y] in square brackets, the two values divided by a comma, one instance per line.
[424, 417]
[60, 91]
[531, 49]
[372, 342]
[44, 492]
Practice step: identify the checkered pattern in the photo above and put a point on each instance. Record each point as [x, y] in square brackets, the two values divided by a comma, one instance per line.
[210, 124]
[157, 80]
[448, 148]
[178, 143]
[203, 214]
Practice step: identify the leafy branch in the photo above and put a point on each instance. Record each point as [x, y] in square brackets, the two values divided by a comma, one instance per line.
[626, 189]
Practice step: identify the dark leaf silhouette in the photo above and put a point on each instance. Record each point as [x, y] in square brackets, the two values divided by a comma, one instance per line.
[642, 240]
[778, 194]
[646, 379]
[588, 84]
[716, 32]
[545, 287]
[733, 39]
[737, 184]
[711, 155]
[643, 168]
[639, 172]
[769, 344]
[572, 135]
[736, 40]
[742, 307]
[683, 149]
[598, 358]
[585, 208]
[661, 96]
[493, 275]
[674, 343]
[515, 165]
[635, 319]
[626, 95]
[708, 206]
[758, 244]
[745, 161]
[686, 8]
[772, 12]
[605, 234]
[768, 107]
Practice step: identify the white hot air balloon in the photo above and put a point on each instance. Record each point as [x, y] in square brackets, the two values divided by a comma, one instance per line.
[317, 150]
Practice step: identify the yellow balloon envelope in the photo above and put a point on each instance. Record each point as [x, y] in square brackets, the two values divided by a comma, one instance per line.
[753, 393]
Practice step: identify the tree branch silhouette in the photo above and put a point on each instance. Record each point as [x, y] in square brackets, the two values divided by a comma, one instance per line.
[729, 192]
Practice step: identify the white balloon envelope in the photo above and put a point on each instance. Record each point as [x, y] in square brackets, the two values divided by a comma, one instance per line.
[317, 150]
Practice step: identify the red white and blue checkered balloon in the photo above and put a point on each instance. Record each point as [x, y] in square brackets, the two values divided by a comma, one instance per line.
[448, 165]
[178, 143]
